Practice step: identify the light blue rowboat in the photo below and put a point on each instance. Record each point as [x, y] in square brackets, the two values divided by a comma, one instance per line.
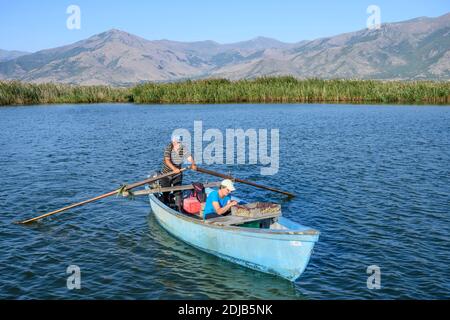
[283, 249]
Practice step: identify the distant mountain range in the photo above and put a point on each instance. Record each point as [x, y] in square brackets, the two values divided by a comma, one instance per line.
[416, 49]
[6, 55]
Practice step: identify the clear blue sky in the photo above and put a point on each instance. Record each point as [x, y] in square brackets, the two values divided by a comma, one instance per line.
[34, 25]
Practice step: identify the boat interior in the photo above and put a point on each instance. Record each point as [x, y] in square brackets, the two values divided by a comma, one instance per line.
[269, 221]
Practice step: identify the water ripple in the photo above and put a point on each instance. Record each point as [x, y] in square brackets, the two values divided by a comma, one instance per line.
[374, 180]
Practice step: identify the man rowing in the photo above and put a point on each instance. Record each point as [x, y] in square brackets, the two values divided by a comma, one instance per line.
[174, 155]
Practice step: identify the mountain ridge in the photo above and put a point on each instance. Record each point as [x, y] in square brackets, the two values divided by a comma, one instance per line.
[415, 49]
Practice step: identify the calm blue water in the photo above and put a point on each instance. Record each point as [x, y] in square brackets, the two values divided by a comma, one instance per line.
[374, 180]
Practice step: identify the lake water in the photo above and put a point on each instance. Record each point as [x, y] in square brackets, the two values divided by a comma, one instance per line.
[375, 180]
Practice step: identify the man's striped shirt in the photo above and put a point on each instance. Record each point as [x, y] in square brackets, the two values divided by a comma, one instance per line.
[177, 157]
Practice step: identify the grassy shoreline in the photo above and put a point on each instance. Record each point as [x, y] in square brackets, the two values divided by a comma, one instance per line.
[260, 90]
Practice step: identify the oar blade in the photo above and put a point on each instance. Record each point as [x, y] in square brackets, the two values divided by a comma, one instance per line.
[128, 187]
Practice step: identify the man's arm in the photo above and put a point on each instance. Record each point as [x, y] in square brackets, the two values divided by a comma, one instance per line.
[169, 163]
[191, 160]
[220, 210]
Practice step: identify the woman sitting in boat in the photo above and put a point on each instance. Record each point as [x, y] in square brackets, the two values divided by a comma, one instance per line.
[219, 201]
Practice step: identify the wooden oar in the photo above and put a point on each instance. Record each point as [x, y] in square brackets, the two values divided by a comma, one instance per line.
[123, 189]
[169, 189]
[224, 176]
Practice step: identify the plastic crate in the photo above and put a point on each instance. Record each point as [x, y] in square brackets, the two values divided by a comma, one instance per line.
[256, 209]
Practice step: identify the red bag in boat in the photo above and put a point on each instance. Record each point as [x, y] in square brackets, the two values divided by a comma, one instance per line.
[191, 205]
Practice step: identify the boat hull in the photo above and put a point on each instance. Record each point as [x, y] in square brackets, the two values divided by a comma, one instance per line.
[285, 253]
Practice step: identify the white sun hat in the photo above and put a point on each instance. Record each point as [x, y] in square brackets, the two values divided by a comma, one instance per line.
[228, 184]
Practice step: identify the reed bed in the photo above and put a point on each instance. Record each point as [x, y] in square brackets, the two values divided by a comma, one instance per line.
[289, 90]
[260, 90]
[19, 93]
